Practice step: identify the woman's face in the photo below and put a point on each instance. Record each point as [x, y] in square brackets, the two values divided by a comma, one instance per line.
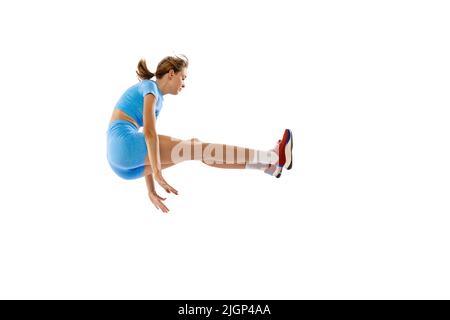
[177, 80]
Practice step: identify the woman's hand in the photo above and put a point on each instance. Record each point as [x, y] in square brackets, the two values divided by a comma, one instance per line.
[157, 201]
[159, 178]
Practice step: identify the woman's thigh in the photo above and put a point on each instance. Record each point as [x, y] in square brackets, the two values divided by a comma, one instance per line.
[167, 146]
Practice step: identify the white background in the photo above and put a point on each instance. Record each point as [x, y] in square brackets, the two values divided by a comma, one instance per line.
[364, 213]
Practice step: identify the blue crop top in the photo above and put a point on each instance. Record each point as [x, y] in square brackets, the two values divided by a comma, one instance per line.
[132, 101]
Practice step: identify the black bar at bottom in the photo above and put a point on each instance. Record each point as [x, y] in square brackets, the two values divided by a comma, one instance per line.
[220, 309]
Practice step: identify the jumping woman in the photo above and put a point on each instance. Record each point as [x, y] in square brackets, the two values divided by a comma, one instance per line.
[133, 154]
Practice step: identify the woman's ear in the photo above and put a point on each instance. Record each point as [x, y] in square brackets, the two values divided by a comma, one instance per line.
[171, 73]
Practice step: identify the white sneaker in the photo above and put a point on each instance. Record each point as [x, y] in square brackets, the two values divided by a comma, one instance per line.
[272, 168]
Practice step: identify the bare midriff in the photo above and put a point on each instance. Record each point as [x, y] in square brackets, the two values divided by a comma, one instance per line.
[120, 115]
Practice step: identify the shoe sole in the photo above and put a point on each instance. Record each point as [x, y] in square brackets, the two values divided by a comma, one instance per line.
[290, 151]
[285, 154]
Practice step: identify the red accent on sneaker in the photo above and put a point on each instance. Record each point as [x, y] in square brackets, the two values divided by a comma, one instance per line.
[281, 150]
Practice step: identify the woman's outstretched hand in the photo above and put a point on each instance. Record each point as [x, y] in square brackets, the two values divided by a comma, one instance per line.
[157, 201]
[159, 178]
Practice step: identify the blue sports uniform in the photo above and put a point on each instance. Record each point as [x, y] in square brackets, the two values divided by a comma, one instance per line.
[126, 146]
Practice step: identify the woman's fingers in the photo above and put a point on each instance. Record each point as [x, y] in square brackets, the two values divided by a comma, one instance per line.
[161, 198]
[173, 190]
[163, 207]
[157, 202]
[170, 189]
[165, 185]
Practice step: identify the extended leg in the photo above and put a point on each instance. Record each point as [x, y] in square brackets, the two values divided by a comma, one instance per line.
[214, 154]
[173, 151]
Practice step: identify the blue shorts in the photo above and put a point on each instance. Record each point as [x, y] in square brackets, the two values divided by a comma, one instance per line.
[126, 149]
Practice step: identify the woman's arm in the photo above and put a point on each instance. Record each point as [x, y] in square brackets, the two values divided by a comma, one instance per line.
[152, 141]
[151, 137]
[150, 184]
